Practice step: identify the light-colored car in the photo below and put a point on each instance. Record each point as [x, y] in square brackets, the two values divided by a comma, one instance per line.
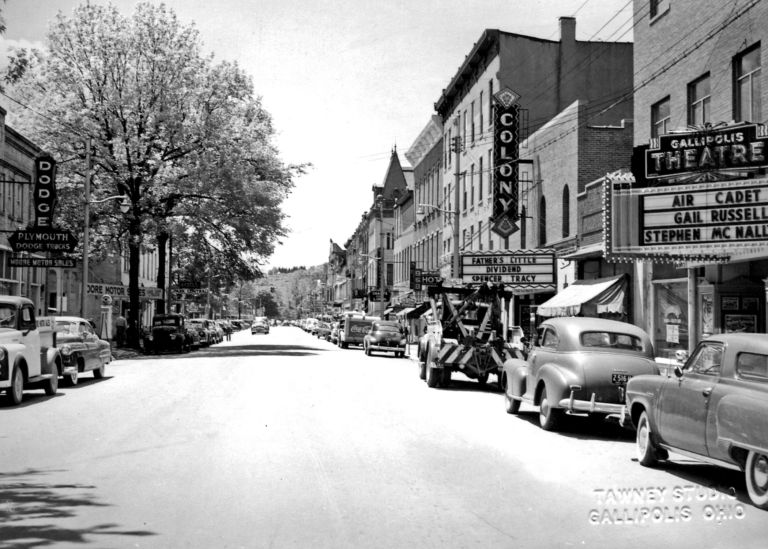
[714, 409]
[80, 348]
[578, 365]
[259, 327]
[385, 336]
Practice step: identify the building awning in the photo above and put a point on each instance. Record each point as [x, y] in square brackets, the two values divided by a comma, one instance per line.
[404, 312]
[587, 297]
[418, 311]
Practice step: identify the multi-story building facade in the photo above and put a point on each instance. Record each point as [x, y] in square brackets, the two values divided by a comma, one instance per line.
[698, 65]
[426, 157]
[548, 76]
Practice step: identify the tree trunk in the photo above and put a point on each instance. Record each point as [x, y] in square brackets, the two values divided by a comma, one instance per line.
[162, 242]
[134, 257]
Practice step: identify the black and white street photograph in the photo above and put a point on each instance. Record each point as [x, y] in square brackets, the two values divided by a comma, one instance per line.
[354, 274]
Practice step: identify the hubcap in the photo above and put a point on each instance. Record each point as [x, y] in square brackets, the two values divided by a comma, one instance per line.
[760, 469]
[642, 438]
[544, 408]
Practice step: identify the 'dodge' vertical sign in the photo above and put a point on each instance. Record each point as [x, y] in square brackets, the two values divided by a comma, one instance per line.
[45, 191]
[505, 158]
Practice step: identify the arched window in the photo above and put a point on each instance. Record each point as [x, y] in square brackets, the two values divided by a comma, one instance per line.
[542, 222]
[566, 211]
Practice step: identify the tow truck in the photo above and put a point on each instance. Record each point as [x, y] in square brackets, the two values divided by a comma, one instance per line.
[468, 335]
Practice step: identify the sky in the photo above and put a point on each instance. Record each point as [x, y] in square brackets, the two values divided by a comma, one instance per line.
[344, 80]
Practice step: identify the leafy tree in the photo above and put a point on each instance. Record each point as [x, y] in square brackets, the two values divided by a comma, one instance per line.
[182, 137]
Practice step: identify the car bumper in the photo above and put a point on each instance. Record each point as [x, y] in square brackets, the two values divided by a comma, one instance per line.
[393, 348]
[590, 407]
[69, 370]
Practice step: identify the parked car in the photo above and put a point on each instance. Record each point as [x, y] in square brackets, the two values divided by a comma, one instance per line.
[578, 365]
[80, 348]
[169, 333]
[237, 325]
[204, 327]
[323, 330]
[714, 408]
[386, 336]
[259, 327]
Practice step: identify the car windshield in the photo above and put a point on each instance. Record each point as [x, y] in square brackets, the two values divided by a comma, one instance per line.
[165, 321]
[7, 316]
[611, 340]
[65, 327]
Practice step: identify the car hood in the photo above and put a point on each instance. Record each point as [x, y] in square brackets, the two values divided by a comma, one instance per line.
[67, 338]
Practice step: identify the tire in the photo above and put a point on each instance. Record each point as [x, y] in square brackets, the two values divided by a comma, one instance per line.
[482, 379]
[422, 369]
[366, 350]
[756, 475]
[511, 405]
[51, 386]
[15, 393]
[445, 379]
[549, 417]
[647, 453]
[70, 380]
[99, 372]
[433, 374]
[344, 345]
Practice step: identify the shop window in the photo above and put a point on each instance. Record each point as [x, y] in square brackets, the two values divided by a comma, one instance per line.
[747, 85]
[671, 318]
[660, 117]
[698, 101]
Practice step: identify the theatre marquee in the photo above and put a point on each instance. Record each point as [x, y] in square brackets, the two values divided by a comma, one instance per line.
[527, 271]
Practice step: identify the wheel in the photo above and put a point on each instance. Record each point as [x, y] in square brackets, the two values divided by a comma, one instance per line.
[647, 454]
[422, 368]
[756, 475]
[15, 392]
[344, 345]
[98, 373]
[511, 405]
[70, 380]
[482, 379]
[549, 416]
[433, 374]
[445, 379]
[52, 384]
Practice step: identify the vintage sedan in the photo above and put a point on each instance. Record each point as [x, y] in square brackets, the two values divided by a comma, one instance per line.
[80, 348]
[259, 326]
[714, 408]
[580, 366]
[386, 336]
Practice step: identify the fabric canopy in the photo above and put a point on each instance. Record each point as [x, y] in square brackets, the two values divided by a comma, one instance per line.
[587, 297]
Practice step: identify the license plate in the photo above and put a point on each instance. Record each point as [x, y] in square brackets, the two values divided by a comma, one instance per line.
[620, 379]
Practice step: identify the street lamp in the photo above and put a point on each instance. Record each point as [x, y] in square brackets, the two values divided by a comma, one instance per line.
[125, 206]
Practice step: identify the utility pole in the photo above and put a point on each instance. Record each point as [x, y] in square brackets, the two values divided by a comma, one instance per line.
[87, 220]
[456, 257]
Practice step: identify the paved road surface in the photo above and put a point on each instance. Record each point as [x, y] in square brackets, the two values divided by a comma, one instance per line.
[286, 441]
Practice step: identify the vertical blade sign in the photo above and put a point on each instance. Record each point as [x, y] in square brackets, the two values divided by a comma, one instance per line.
[505, 158]
[45, 191]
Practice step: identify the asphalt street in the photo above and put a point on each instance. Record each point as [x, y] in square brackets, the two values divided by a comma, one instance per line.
[283, 440]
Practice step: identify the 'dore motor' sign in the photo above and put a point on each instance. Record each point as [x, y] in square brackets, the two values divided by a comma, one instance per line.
[739, 147]
[531, 270]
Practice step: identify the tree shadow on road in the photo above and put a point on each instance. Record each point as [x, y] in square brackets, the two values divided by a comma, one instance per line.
[31, 511]
[233, 351]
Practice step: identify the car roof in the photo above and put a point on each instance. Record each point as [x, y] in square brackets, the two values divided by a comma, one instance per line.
[69, 319]
[746, 341]
[16, 300]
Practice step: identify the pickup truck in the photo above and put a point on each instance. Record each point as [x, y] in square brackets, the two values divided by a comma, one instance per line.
[28, 356]
[713, 409]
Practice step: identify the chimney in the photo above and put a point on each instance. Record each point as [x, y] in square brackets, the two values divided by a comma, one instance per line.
[567, 29]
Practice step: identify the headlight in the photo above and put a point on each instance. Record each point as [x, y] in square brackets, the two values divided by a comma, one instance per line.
[66, 350]
[2, 353]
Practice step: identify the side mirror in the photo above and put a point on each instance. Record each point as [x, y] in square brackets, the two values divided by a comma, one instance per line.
[678, 371]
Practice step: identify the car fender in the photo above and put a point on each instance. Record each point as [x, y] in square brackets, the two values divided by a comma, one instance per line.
[52, 360]
[557, 380]
[643, 395]
[516, 372]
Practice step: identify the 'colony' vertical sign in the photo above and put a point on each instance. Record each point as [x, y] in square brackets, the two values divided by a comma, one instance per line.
[505, 157]
[45, 191]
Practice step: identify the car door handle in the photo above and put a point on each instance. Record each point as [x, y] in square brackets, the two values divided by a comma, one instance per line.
[706, 392]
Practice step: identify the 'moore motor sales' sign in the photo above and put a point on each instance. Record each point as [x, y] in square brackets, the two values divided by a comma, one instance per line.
[531, 270]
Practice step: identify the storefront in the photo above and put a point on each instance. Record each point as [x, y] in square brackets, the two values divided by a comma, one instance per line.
[697, 214]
